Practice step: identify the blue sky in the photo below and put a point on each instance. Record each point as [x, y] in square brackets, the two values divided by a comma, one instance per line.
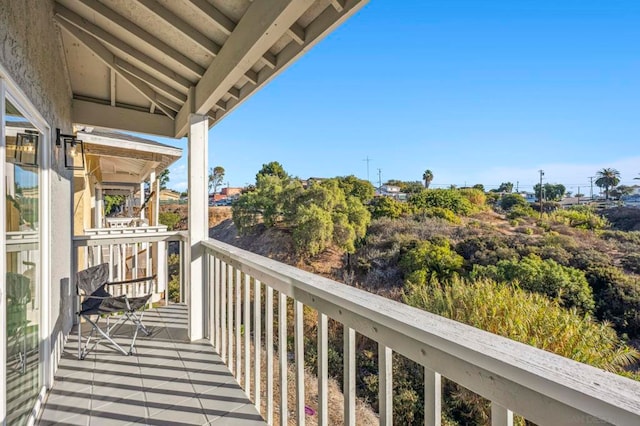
[478, 91]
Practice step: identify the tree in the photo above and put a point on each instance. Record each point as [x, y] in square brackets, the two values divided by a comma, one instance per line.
[216, 175]
[164, 179]
[552, 192]
[427, 177]
[506, 187]
[272, 169]
[351, 185]
[607, 178]
[622, 190]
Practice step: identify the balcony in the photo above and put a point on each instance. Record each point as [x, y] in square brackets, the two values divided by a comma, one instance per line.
[234, 375]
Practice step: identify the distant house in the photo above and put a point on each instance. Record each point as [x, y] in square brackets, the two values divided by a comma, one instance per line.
[391, 191]
[631, 200]
[169, 195]
[230, 191]
[530, 197]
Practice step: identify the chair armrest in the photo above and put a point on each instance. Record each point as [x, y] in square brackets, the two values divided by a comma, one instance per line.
[133, 281]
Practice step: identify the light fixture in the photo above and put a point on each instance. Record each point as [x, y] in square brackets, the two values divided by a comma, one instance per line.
[73, 150]
[27, 148]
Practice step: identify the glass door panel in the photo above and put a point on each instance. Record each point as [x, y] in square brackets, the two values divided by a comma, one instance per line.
[22, 209]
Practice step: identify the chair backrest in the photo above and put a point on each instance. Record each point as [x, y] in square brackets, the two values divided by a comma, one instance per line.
[18, 288]
[91, 279]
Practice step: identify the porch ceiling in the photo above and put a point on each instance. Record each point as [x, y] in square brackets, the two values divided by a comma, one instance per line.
[145, 65]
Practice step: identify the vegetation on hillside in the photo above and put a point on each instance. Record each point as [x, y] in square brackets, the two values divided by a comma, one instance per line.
[561, 281]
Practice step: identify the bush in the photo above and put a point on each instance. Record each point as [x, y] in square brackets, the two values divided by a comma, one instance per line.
[314, 230]
[169, 219]
[430, 259]
[631, 262]
[475, 196]
[518, 211]
[617, 298]
[509, 201]
[581, 218]
[387, 207]
[441, 213]
[546, 277]
[525, 317]
[451, 199]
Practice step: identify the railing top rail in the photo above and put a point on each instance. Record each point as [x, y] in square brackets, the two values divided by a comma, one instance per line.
[128, 237]
[541, 386]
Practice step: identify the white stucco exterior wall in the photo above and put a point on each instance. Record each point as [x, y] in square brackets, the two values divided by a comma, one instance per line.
[32, 57]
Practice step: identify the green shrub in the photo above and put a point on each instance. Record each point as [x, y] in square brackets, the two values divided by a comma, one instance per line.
[617, 298]
[169, 219]
[174, 278]
[314, 230]
[631, 262]
[546, 277]
[518, 212]
[509, 201]
[451, 199]
[387, 207]
[475, 196]
[441, 213]
[522, 316]
[430, 259]
[582, 218]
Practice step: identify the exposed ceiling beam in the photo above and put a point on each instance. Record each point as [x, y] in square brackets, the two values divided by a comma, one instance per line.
[217, 18]
[296, 32]
[338, 5]
[109, 59]
[187, 65]
[182, 26]
[262, 25]
[133, 53]
[96, 115]
[151, 81]
[112, 81]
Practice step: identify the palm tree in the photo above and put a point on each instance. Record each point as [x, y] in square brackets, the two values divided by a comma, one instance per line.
[607, 178]
[427, 177]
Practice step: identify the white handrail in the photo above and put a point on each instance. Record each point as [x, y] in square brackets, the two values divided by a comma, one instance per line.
[538, 385]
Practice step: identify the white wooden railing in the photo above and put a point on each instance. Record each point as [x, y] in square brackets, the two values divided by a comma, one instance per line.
[133, 253]
[542, 387]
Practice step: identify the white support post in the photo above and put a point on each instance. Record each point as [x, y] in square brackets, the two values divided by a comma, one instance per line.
[257, 335]
[432, 398]
[282, 358]
[198, 222]
[500, 416]
[142, 211]
[385, 384]
[155, 220]
[99, 207]
[269, 346]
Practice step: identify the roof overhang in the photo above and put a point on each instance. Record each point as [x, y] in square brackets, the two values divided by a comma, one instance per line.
[118, 160]
[146, 65]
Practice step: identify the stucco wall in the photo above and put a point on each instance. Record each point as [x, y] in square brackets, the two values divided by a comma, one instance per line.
[31, 55]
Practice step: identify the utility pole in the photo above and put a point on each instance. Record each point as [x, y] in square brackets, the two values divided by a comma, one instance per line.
[591, 193]
[379, 178]
[368, 160]
[540, 195]
[517, 186]
[578, 195]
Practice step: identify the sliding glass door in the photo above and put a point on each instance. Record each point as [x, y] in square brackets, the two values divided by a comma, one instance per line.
[23, 276]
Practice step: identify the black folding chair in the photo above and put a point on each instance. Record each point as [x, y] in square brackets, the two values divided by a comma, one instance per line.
[91, 285]
[18, 298]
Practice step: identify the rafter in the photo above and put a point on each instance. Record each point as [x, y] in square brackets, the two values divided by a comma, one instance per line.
[106, 38]
[183, 27]
[296, 32]
[112, 81]
[97, 115]
[217, 18]
[314, 32]
[262, 25]
[151, 81]
[338, 5]
[124, 24]
[109, 59]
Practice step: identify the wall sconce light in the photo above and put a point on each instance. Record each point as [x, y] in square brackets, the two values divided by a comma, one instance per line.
[27, 148]
[73, 150]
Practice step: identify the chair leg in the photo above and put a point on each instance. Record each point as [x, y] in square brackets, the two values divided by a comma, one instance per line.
[95, 327]
[139, 326]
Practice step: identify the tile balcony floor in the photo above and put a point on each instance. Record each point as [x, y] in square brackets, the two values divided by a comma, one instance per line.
[169, 381]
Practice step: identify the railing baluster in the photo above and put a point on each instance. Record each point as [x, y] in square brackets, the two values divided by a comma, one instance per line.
[230, 318]
[323, 369]
[238, 283]
[501, 416]
[385, 384]
[247, 335]
[349, 376]
[269, 345]
[257, 333]
[432, 398]
[223, 311]
[299, 354]
[216, 303]
[282, 354]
